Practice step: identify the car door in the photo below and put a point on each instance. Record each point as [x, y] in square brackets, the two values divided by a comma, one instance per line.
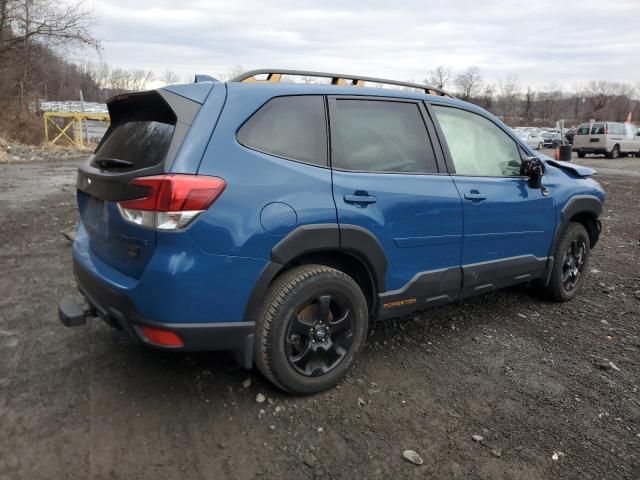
[508, 226]
[599, 136]
[389, 180]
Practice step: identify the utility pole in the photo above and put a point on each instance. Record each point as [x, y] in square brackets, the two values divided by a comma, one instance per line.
[84, 120]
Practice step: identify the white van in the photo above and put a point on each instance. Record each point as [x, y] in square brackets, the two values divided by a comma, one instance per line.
[609, 138]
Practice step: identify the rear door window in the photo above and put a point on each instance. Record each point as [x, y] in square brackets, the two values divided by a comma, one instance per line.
[597, 129]
[380, 136]
[583, 130]
[289, 127]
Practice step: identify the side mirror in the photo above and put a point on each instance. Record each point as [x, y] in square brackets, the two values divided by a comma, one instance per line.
[533, 168]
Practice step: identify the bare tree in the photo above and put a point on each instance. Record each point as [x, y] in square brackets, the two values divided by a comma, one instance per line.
[599, 93]
[29, 26]
[548, 99]
[122, 80]
[622, 102]
[487, 96]
[527, 110]
[509, 95]
[169, 77]
[439, 77]
[468, 83]
[47, 22]
[232, 72]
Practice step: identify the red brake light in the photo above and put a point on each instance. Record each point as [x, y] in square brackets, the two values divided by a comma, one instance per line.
[165, 338]
[171, 202]
[176, 193]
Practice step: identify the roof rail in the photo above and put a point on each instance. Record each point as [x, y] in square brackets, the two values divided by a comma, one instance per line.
[275, 75]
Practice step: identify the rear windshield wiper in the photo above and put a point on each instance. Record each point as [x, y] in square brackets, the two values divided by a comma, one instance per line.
[112, 162]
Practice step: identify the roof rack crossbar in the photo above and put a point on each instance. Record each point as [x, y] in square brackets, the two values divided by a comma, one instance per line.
[275, 76]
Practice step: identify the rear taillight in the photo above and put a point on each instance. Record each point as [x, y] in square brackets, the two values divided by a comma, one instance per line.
[171, 201]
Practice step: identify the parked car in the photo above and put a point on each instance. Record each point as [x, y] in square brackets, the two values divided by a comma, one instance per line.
[277, 221]
[532, 138]
[611, 139]
[551, 139]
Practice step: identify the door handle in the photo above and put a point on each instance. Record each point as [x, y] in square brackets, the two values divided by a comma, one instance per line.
[475, 195]
[360, 199]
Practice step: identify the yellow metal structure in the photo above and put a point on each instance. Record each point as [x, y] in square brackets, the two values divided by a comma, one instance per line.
[72, 131]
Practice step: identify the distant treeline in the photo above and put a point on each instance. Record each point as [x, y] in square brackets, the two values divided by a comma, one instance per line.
[518, 105]
[36, 37]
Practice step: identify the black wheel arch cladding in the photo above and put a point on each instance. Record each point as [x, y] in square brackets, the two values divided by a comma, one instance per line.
[583, 209]
[306, 239]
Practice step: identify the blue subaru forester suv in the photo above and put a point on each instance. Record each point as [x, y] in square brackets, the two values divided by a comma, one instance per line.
[277, 219]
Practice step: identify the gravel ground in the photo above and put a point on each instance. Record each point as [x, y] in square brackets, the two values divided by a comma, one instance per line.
[531, 380]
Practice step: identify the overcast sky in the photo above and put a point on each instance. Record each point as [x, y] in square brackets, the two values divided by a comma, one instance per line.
[540, 41]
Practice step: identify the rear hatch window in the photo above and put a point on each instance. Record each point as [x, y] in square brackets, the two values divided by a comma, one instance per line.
[142, 140]
[597, 129]
[583, 130]
[140, 135]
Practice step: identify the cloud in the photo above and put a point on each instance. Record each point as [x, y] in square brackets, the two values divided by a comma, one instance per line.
[541, 42]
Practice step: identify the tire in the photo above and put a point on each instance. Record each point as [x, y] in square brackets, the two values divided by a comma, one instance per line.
[615, 152]
[581, 154]
[540, 145]
[287, 352]
[563, 284]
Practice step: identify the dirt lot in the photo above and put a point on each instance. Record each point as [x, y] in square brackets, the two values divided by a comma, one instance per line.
[525, 374]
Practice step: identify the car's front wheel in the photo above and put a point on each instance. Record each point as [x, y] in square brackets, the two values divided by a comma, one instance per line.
[313, 323]
[570, 261]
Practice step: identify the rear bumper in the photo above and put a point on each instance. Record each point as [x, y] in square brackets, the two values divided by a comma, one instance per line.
[118, 311]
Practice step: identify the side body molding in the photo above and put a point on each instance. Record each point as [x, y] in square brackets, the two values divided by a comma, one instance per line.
[425, 289]
[306, 239]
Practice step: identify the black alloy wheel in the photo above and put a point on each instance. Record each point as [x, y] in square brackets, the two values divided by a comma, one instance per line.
[312, 325]
[573, 263]
[320, 334]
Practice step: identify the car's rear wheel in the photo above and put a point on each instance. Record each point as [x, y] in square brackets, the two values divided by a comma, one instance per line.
[570, 261]
[581, 154]
[615, 152]
[313, 323]
[540, 145]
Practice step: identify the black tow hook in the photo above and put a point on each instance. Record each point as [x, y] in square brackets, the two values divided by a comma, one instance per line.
[73, 315]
